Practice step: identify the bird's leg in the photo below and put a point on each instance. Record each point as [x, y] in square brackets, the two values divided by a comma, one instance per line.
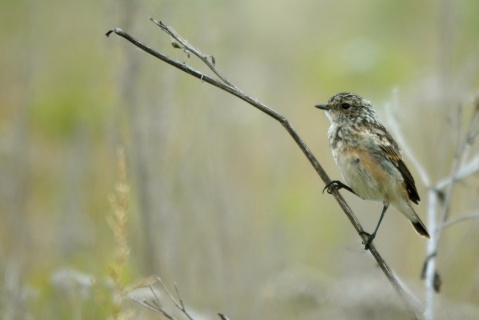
[367, 243]
[338, 185]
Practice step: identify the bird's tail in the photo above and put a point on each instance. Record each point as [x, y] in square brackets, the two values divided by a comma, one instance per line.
[408, 211]
[420, 228]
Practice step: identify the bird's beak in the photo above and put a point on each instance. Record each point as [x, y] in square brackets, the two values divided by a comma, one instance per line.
[324, 107]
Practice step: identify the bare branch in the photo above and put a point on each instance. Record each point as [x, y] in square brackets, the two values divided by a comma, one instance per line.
[464, 147]
[181, 306]
[430, 262]
[196, 52]
[460, 218]
[466, 171]
[459, 171]
[178, 303]
[154, 302]
[234, 90]
[156, 299]
[153, 307]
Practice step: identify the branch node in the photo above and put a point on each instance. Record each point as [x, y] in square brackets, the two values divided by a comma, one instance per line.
[213, 60]
[176, 45]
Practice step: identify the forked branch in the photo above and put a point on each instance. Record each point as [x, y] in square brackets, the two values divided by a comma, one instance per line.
[154, 302]
[227, 86]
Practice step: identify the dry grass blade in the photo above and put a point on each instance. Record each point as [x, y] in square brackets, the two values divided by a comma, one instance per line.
[120, 202]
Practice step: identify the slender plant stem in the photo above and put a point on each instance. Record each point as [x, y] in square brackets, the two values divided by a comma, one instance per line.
[234, 90]
[431, 250]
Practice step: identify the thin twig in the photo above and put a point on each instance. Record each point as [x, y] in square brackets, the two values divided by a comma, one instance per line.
[182, 306]
[178, 303]
[154, 308]
[460, 218]
[459, 171]
[162, 284]
[157, 300]
[466, 171]
[179, 296]
[209, 62]
[156, 305]
[234, 90]
[459, 157]
[431, 253]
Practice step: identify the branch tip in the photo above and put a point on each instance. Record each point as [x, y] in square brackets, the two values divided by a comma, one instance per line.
[159, 24]
[114, 30]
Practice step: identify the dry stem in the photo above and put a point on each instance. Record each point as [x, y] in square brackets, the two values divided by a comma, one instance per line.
[234, 90]
[120, 203]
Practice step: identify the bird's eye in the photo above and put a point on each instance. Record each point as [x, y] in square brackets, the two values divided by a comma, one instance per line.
[345, 106]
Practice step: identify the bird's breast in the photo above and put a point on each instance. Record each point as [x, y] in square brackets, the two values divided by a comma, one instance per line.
[364, 173]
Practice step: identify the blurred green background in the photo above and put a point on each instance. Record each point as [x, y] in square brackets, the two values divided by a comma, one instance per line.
[223, 202]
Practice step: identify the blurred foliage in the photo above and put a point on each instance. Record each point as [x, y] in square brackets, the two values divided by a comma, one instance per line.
[223, 203]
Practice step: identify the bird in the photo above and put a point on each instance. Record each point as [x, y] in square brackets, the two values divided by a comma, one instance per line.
[369, 159]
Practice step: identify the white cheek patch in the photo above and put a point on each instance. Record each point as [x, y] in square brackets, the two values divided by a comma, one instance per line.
[328, 115]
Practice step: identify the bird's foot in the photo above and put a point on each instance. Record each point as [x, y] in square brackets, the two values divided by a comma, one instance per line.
[338, 185]
[367, 243]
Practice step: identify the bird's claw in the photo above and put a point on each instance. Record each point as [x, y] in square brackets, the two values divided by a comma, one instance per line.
[338, 185]
[334, 184]
[367, 243]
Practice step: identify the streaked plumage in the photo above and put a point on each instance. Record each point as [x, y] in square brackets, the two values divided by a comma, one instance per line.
[369, 159]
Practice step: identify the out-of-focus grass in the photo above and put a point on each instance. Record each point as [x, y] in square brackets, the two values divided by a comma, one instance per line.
[222, 201]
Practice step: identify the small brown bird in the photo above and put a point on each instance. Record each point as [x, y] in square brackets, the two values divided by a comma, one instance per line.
[369, 159]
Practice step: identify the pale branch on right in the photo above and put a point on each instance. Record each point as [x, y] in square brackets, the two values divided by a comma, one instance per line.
[464, 164]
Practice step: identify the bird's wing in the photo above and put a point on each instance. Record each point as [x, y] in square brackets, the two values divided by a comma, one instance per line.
[393, 154]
